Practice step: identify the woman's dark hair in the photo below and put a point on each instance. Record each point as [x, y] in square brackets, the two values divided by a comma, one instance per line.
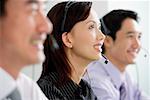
[111, 22]
[64, 16]
[2, 7]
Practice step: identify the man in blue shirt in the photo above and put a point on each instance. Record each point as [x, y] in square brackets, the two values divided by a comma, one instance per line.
[108, 78]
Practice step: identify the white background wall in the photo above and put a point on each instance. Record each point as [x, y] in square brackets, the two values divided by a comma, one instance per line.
[140, 71]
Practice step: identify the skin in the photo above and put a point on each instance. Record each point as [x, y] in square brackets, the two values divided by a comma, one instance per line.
[125, 48]
[83, 44]
[24, 29]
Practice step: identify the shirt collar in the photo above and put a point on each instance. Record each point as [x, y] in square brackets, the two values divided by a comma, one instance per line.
[7, 83]
[69, 88]
[116, 76]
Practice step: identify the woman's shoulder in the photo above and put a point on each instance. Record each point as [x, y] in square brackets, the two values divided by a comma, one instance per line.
[48, 80]
[48, 86]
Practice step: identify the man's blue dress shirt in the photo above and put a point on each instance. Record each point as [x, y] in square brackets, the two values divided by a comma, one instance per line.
[106, 79]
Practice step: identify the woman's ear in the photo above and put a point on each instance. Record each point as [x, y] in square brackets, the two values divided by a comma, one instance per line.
[67, 40]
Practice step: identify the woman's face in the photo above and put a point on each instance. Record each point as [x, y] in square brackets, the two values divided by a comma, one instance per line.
[86, 39]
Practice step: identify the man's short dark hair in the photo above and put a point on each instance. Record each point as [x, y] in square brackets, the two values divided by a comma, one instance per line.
[2, 7]
[112, 21]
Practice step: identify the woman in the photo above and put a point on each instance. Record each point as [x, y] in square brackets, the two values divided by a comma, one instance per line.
[76, 30]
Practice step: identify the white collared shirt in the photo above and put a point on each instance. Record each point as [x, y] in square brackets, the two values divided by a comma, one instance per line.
[7, 84]
[28, 89]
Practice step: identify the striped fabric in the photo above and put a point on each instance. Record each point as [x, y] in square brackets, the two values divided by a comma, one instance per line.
[68, 91]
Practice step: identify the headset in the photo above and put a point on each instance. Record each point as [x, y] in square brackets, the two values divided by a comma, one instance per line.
[146, 55]
[68, 5]
[106, 60]
[54, 46]
[106, 30]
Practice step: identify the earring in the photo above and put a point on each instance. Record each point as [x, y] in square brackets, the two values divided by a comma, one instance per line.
[70, 46]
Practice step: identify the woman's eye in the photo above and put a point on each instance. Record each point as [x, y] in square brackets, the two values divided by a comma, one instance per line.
[91, 26]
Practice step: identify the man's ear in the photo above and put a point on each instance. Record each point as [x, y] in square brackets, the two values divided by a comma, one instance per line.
[67, 39]
[108, 42]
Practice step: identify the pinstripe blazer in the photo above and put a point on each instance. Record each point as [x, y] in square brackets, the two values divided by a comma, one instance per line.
[68, 91]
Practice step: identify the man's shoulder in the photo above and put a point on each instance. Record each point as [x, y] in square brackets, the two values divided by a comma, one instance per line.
[96, 70]
[24, 79]
[96, 74]
[95, 66]
[29, 88]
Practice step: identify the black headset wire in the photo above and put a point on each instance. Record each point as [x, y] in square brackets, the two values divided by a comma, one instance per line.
[68, 5]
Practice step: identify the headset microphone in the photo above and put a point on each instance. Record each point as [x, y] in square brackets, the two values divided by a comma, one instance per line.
[146, 54]
[106, 60]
